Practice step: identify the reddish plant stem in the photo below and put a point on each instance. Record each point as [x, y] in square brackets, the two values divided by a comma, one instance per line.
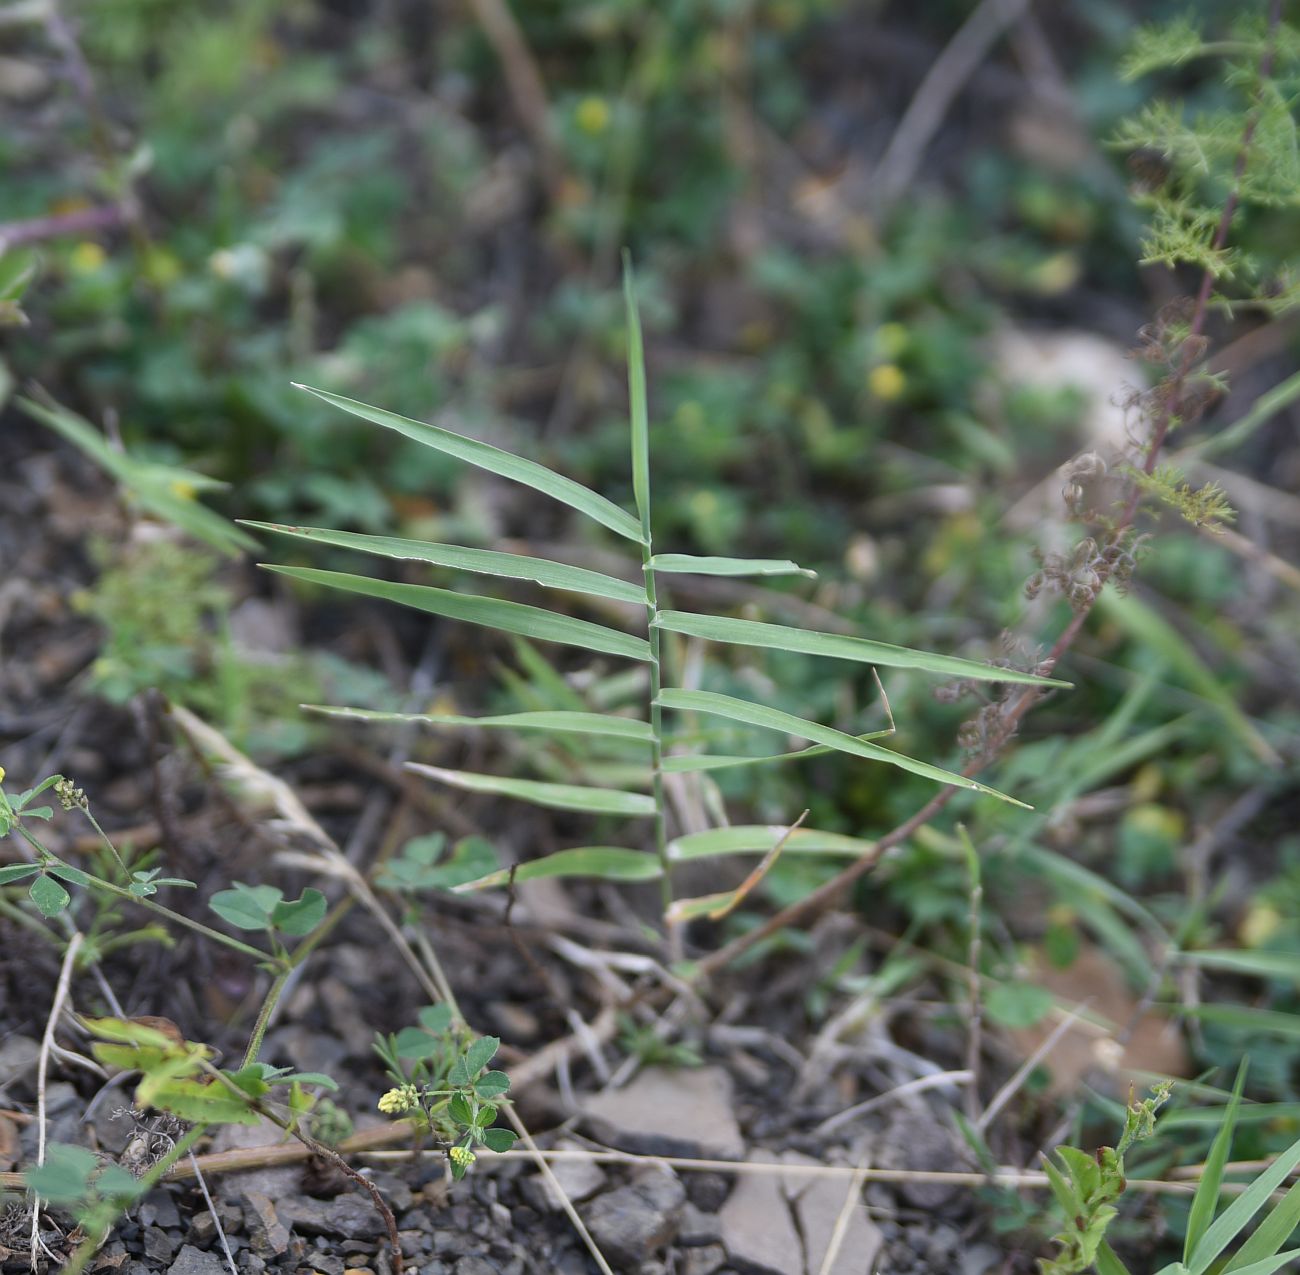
[828, 894]
[83, 221]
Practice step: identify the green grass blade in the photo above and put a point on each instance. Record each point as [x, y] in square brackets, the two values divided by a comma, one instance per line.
[759, 838]
[693, 565]
[1074, 877]
[559, 721]
[716, 628]
[1206, 1199]
[636, 396]
[1267, 1265]
[1208, 1117]
[592, 801]
[689, 763]
[1244, 1018]
[158, 488]
[609, 863]
[495, 613]
[1262, 410]
[495, 461]
[510, 566]
[1281, 965]
[738, 710]
[1232, 1221]
[1271, 1234]
[1150, 628]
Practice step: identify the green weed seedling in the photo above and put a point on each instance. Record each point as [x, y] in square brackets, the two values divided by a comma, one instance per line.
[178, 1077]
[442, 1083]
[1087, 1188]
[661, 749]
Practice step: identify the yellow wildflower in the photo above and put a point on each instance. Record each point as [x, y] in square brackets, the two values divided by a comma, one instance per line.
[87, 257]
[886, 382]
[592, 115]
[462, 1156]
[395, 1101]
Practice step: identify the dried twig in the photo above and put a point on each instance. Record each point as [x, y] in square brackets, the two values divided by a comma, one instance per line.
[524, 83]
[936, 93]
[42, 1070]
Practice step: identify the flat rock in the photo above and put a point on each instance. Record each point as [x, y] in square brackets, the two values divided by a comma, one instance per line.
[18, 1058]
[758, 1229]
[267, 1235]
[158, 1245]
[579, 1178]
[697, 1227]
[347, 1217]
[194, 1261]
[817, 1202]
[703, 1260]
[631, 1222]
[670, 1111]
[474, 1266]
[278, 1182]
[915, 1139]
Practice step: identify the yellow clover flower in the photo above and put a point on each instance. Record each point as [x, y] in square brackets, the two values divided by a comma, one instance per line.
[395, 1101]
[462, 1156]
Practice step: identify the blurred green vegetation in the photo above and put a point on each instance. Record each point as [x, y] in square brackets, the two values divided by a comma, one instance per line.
[327, 197]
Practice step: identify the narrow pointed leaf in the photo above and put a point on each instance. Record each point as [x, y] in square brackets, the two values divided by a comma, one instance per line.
[1108, 1263]
[560, 721]
[739, 710]
[1149, 627]
[1283, 965]
[1206, 1199]
[760, 838]
[495, 613]
[597, 801]
[636, 397]
[1244, 1018]
[608, 863]
[495, 461]
[780, 637]
[688, 763]
[1270, 1234]
[1267, 1265]
[510, 566]
[158, 488]
[1233, 1220]
[691, 565]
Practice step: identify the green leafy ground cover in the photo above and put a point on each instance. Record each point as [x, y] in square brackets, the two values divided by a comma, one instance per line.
[312, 195]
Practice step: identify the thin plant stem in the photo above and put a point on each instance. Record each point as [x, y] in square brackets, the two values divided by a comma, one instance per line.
[975, 1006]
[104, 837]
[269, 1003]
[657, 728]
[42, 1070]
[216, 1217]
[122, 893]
[292, 1128]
